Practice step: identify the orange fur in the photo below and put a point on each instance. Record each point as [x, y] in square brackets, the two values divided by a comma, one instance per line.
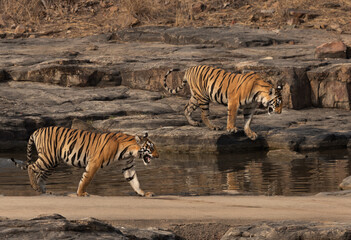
[85, 149]
[247, 91]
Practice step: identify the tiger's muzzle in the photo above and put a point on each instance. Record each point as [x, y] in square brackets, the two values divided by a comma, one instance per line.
[270, 110]
[147, 158]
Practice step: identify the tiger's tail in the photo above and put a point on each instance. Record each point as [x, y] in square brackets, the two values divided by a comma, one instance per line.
[174, 90]
[24, 165]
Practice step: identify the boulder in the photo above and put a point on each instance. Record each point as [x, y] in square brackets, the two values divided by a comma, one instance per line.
[330, 86]
[126, 20]
[82, 125]
[335, 49]
[56, 226]
[20, 29]
[289, 230]
[346, 184]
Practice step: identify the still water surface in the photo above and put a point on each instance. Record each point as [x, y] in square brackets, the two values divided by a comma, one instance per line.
[272, 173]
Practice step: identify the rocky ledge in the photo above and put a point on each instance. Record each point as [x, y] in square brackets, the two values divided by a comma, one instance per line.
[289, 230]
[58, 227]
[96, 79]
[27, 106]
[140, 57]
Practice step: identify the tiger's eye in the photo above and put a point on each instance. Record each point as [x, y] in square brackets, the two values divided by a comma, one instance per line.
[151, 146]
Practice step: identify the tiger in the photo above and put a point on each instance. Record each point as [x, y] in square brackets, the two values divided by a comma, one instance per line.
[84, 149]
[247, 91]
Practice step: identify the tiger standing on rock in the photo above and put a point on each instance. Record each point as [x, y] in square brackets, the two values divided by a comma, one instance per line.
[246, 91]
[85, 149]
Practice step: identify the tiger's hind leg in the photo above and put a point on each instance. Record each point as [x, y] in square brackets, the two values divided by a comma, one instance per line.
[190, 107]
[38, 173]
[248, 114]
[204, 116]
[33, 179]
[87, 176]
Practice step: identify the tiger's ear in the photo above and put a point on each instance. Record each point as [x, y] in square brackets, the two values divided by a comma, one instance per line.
[140, 139]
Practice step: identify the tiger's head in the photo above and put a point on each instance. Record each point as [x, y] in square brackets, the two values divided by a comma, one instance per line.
[147, 149]
[275, 104]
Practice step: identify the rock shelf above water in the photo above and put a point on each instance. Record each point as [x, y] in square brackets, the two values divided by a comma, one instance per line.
[27, 106]
[114, 81]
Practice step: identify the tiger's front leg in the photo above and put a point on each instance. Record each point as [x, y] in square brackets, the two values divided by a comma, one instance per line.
[131, 176]
[87, 176]
[248, 114]
[233, 107]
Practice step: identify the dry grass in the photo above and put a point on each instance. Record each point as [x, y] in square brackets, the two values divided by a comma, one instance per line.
[159, 12]
[19, 11]
[84, 17]
[145, 10]
[325, 13]
[36, 11]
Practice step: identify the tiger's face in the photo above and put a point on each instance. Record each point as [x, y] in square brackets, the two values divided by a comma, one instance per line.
[275, 105]
[148, 150]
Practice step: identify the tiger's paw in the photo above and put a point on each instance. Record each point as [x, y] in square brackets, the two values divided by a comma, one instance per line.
[232, 130]
[149, 194]
[84, 194]
[195, 123]
[252, 135]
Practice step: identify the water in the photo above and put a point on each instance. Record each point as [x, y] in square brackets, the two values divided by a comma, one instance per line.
[272, 173]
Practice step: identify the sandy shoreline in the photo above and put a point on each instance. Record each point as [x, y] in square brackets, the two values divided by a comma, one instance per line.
[169, 208]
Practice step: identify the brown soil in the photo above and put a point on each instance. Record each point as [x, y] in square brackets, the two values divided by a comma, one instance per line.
[74, 18]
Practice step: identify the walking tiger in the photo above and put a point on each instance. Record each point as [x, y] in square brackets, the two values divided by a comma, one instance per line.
[246, 91]
[87, 150]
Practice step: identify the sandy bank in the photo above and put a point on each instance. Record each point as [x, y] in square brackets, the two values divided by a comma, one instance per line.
[246, 208]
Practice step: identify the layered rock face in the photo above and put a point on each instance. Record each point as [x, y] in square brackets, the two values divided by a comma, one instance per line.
[116, 83]
[139, 58]
[27, 106]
